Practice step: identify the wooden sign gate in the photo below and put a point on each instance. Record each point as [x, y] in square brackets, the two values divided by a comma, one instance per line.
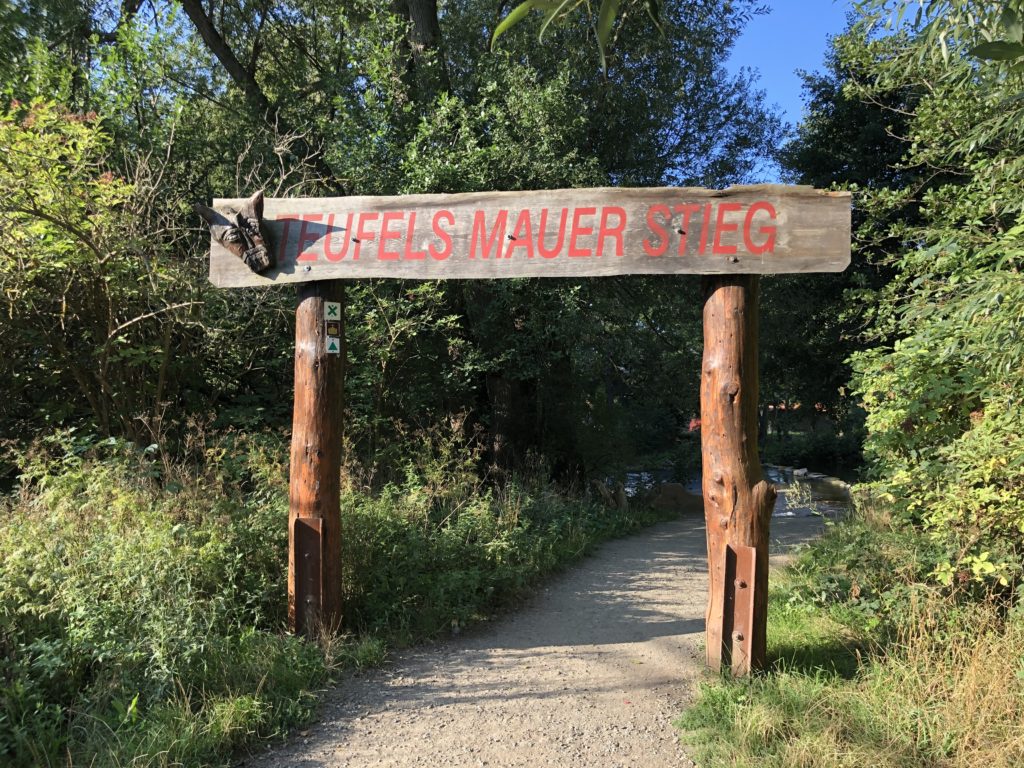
[730, 236]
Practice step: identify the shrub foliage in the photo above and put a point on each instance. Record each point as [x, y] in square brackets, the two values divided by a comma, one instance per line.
[142, 602]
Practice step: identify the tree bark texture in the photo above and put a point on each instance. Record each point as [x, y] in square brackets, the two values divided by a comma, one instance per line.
[425, 34]
[314, 520]
[426, 70]
[737, 501]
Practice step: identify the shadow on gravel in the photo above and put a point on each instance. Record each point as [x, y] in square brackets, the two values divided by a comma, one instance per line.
[613, 638]
[616, 596]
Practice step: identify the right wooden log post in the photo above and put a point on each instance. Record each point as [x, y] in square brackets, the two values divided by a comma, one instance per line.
[738, 502]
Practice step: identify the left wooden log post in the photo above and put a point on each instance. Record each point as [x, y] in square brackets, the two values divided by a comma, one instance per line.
[314, 519]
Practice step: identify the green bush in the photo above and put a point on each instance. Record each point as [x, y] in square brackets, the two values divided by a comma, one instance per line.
[412, 570]
[134, 609]
[142, 602]
[946, 424]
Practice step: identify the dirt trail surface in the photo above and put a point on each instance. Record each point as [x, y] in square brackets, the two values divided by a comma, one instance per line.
[590, 672]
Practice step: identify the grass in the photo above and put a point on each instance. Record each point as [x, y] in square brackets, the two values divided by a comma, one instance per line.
[870, 667]
[142, 603]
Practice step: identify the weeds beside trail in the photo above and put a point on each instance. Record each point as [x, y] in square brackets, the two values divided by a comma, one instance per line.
[872, 666]
[142, 604]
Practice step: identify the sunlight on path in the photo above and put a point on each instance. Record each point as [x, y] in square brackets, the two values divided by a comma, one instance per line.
[590, 672]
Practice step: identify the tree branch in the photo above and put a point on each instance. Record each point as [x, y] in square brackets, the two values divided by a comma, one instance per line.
[129, 10]
[78, 233]
[219, 48]
[117, 331]
[246, 80]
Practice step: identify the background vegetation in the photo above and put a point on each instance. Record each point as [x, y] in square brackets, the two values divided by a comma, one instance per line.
[915, 654]
[144, 422]
[116, 120]
[145, 414]
[142, 603]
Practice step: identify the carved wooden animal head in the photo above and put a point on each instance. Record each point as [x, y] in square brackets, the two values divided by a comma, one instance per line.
[241, 231]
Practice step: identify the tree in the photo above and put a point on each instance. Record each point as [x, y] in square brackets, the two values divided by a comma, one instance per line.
[942, 379]
[91, 312]
[850, 142]
[374, 98]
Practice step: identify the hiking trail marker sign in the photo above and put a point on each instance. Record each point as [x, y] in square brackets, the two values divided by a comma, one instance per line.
[729, 236]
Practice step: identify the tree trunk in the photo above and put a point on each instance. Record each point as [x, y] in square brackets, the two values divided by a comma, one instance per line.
[737, 501]
[267, 111]
[314, 519]
[426, 69]
[425, 34]
[500, 394]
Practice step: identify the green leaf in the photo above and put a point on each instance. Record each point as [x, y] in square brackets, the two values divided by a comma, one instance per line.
[1011, 23]
[998, 50]
[605, 21]
[519, 13]
[551, 16]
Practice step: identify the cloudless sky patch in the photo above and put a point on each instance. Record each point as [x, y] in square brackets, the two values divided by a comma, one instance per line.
[794, 35]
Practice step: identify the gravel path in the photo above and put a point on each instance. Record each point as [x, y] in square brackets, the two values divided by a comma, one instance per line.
[590, 672]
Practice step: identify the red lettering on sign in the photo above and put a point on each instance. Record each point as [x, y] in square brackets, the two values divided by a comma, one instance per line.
[706, 230]
[446, 238]
[305, 236]
[522, 235]
[768, 246]
[721, 227]
[656, 228]
[410, 240]
[552, 253]
[580, 231]
[362, 234]
[604, 230]
[687, 209]
[343, 236]
[493, 241]
[383, 254]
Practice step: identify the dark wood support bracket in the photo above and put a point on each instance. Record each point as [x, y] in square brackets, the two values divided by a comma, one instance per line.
[740, 607]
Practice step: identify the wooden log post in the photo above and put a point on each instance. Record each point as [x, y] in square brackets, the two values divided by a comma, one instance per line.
[738, 502]
[314, 519]
[728, 235]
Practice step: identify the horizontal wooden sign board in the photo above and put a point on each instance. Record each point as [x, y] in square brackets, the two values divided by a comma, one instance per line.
[552, 233]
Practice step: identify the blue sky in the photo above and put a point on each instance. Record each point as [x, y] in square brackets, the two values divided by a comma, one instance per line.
[793, 36]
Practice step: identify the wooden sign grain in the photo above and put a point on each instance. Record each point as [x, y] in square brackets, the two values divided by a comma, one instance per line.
[755, 229]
